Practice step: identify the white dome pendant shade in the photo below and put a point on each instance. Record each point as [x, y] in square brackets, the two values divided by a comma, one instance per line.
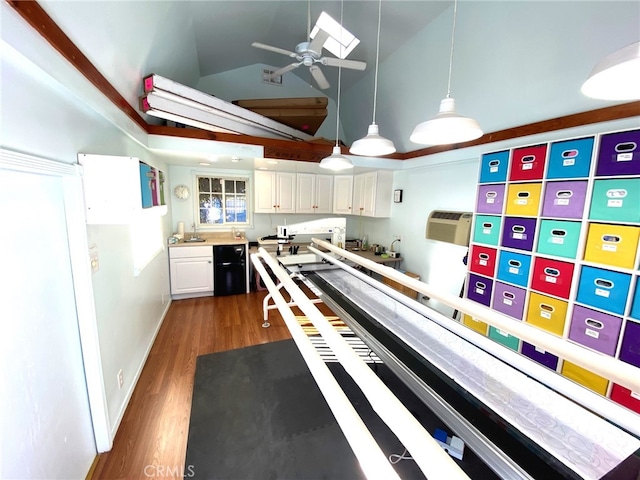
[373, 145]
[616, 76]
[447, 127]
[336, 161]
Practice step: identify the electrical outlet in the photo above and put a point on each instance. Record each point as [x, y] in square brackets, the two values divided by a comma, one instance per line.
[162, 298]
[120, 379]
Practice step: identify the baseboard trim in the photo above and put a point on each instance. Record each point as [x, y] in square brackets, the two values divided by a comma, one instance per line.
[92, 468]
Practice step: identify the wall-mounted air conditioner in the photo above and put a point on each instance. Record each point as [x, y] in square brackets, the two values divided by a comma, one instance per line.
[452, 227]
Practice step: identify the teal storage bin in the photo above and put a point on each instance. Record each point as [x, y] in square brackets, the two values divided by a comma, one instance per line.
[559, 238]
[487, 229]
[616, 200]
[494, 167]
[570, 159]
[504, 338]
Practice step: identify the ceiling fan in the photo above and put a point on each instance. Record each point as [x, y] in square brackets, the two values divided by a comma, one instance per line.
[309, 53]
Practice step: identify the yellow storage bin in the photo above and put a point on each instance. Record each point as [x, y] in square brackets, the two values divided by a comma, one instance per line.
[547, 313]
[523, 199]
[477, 325]
[584, 377]
[614, 245]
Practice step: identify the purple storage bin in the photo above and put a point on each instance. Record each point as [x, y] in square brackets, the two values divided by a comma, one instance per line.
[545, 358]
[619, 154]
[564, 199]
[518, 233]
[490, 198]
[595, 330]
[509, 300]
[630, 349]
[479, 289]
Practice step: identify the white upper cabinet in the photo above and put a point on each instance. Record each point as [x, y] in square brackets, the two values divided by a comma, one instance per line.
[343, 194]
[314, 193]
[275, 192]
[372, 193]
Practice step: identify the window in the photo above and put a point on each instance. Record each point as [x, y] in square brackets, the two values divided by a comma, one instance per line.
[222, 200]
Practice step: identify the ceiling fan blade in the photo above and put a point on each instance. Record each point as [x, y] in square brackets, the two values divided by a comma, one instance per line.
[319, 77]
[273, 49]
[337, 62]
[318, 41]
[286, 69]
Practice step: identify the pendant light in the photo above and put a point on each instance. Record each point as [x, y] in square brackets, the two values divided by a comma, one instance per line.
[336, 161]
[616, 76]
[447, 127]
[373, 144]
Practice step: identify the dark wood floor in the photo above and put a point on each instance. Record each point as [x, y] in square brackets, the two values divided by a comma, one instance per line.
[152, 438]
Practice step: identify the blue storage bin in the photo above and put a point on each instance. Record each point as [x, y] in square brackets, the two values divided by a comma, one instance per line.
[494, 166]
[635, 306]
[487, 229]
[570, 159]
[603, 289]
[514, 268]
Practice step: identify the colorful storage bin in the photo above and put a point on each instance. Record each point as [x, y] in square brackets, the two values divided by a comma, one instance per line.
[504, 338]
[514, 268]
[541, 356]
[595, 330]
[477, 325]
[523, 199]
[584, 377]
[559, 237]
[564, 199]
[614, 245]
[619, 154]
[518, 233]
[479, 289]
[570, 159]
[616, 200]
[635, 305]
[483, 260]
[626, 397]
[552, 276]
[527, 163]
[547, 313]
[509, 300]
[487, 229]
[491, 198]
[494, 167]
[603, 289]
[630, 348]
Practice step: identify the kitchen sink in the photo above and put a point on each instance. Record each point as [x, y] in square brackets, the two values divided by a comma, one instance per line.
[194, 240]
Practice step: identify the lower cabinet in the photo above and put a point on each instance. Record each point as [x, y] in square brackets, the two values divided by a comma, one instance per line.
[191, 269]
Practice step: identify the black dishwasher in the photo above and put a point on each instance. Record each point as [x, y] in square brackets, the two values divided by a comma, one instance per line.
[230, 269]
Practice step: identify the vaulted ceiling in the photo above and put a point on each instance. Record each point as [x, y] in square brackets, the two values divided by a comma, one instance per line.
[515, 62]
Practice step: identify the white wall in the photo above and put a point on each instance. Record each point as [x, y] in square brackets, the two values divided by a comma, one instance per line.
[43, 117]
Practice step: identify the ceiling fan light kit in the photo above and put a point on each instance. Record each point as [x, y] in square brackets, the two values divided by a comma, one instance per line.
[447, 127]
[617, 76]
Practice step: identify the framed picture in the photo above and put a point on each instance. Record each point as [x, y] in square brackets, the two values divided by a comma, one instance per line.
[397, 196]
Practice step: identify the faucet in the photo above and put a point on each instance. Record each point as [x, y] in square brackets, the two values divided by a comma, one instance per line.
[391, 247]
[195, 230]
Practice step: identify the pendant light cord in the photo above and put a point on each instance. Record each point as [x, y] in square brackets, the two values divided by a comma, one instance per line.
[453, 36]
[339, 81]
[375, 81]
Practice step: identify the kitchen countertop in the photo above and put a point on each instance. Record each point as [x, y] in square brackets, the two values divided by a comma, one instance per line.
[211, 239]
